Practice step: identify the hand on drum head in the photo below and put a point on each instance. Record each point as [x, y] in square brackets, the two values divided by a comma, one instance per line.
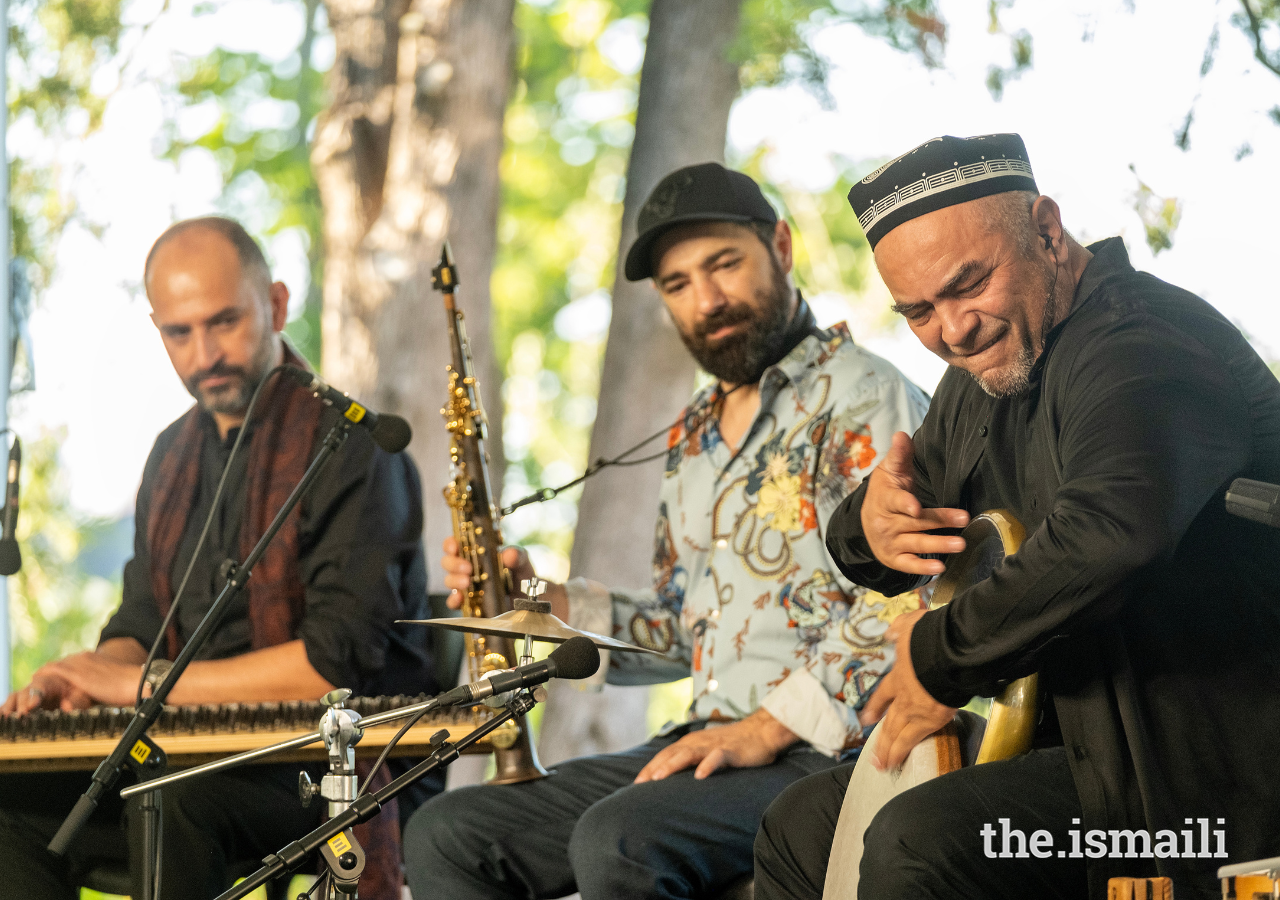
[896, 525]
[907, 713]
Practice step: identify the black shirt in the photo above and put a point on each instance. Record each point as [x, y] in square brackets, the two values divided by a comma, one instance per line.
[361, 563]
[1152, 615]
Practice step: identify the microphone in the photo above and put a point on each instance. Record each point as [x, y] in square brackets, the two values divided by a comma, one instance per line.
[10, 555]
[575, 658]
[389, 432]
[1256, 500]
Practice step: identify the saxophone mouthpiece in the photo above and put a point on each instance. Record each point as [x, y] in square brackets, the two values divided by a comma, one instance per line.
[444, 277]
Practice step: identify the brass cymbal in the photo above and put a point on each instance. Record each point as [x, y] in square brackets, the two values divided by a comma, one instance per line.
[519, 622]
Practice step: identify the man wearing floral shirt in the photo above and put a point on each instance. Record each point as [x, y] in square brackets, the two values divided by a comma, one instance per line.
[781, 647]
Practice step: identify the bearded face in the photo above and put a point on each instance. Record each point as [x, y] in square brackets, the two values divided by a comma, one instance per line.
[728, 294]
[226, 388]
[754, 334]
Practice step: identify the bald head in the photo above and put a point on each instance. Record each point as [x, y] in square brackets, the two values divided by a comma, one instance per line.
[218, 312]
[202, 232]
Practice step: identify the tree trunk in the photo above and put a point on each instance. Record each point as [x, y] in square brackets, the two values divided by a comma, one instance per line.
[687, 85]
[405, 157]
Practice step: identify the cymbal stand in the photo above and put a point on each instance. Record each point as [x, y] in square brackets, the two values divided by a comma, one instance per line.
[533, 588]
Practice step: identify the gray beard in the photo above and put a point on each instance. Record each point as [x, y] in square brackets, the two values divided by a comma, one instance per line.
[1016, 378]
[1012, 380]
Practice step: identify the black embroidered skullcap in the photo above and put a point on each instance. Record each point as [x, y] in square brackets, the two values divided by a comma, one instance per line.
[707, 192]
[939, 173]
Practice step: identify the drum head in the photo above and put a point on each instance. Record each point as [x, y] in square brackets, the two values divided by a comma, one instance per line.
[989, 538]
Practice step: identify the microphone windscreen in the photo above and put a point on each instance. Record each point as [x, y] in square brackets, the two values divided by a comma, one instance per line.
[11, 558]
[392, 433]
[576, 658]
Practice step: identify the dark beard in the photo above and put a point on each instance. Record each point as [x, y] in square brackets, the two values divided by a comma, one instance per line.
[742, 358]
[234, 398]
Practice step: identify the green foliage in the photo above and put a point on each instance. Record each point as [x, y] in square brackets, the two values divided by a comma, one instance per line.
[56, 49]
[1260, 21]
[773, 46]
[54, 607]
[1160, 215]
[569, 126]
[275, 154]
[1020, 50]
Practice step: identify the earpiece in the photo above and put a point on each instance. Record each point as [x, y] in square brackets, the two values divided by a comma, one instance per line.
[1048, 241]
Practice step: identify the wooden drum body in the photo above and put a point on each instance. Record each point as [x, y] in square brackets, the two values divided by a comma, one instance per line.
[967, 740]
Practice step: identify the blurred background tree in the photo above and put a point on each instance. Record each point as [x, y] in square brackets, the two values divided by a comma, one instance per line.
[564, 165]
[57, 603]
[261, 120]
[59, 52]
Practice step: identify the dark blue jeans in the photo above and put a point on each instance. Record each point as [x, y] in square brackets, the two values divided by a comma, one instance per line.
[588, 828]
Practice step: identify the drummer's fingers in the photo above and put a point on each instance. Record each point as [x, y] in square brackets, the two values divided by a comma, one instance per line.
[878, 703]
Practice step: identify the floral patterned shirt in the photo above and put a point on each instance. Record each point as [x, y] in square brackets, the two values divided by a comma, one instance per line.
[745, 598]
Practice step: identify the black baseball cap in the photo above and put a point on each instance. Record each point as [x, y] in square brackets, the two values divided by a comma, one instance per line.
[707, 192]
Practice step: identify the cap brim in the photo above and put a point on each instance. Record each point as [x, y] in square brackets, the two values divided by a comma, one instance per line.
[639, 265]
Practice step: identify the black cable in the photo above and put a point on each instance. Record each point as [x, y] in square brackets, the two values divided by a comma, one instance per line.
[204, 533]
[382, 757]
[324, 877]
[541, 496]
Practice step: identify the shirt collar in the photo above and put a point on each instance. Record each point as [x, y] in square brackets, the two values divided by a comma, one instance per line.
[810, 353]
[1110, 258]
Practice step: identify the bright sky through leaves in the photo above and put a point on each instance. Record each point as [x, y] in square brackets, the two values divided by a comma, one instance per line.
[1109, 89]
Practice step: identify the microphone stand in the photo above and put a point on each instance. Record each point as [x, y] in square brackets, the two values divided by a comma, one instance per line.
[334, 839]
[134, 743]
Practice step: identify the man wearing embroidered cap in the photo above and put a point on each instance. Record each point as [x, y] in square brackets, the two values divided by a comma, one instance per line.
[1109, 411]
[745, 599]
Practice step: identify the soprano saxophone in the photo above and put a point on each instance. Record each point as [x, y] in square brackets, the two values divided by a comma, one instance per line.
[475, 527]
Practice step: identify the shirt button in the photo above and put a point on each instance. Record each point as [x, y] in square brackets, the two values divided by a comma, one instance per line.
[722, 543]
[982, 432]
[715, 613]
[712, 684]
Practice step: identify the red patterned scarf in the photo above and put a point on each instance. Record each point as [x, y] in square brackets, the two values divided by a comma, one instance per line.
[279, 450]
